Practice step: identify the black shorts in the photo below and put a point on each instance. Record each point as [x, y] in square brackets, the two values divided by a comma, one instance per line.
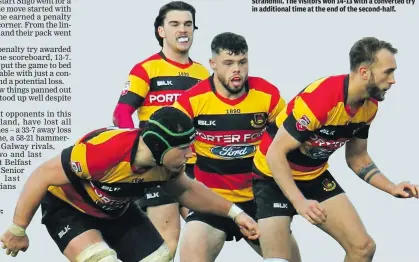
[225, 224]
[271, 201]
[132, 235]
[157, 196]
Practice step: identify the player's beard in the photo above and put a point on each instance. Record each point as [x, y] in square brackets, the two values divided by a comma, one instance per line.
[374, 91]
[232, 90]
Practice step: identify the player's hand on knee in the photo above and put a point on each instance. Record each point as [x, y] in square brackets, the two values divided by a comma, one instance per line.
[14, 240]
[312, 211]
[405, 190]
[248, 227]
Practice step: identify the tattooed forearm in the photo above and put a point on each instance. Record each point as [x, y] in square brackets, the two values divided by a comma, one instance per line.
[362, 173]
[368, 179]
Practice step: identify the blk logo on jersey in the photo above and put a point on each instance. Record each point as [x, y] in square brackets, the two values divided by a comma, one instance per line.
[206, 122]
[164, 83]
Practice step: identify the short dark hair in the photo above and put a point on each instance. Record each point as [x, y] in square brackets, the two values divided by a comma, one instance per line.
[174, 5]
[365, 50]
[232, 42]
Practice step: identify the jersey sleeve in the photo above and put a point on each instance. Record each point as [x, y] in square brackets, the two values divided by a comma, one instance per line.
[74, 162]
[301, 122]
[91, 161]
[364, 131]
[183, 103]
[136, 88]
[277, 106]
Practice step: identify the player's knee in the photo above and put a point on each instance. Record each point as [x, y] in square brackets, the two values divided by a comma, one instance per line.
[364, 249]
[162, 254]
[99, 252]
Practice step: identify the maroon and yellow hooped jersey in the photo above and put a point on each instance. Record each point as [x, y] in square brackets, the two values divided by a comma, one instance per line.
[319, 118]
[103, 178]
[158, 81]
[228, 133]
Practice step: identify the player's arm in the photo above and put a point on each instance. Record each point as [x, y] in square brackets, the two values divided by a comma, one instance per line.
[295, 130]
[50, 173]
[60, 170]
[196, 196]
[360, 162]
[276, 157]
[132, 97]
[54, 172]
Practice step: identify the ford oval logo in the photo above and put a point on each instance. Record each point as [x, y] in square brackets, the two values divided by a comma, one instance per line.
[233, 151]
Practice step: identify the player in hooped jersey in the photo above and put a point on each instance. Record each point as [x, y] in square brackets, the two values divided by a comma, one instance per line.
[158, 81]
[292, 159]
[86, 192]
[230, 112]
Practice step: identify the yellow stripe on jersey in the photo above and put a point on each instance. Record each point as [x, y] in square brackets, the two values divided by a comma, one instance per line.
[157, 82]
[320, 120]
[103, 181]
[229, 132]
[137, 85]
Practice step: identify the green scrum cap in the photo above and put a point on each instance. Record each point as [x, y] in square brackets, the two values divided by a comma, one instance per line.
[168, 127]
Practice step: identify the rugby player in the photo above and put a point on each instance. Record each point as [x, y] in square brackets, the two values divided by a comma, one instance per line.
[86, 191]
[230, 111]
[155, 82]
[292, 160]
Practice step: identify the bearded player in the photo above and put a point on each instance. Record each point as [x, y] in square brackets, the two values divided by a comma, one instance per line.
[292, 160]
[230, 111]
